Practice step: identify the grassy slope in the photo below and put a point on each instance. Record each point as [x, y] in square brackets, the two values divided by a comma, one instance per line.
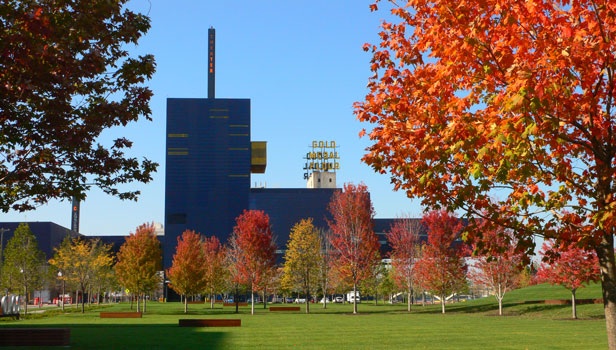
[467, 325]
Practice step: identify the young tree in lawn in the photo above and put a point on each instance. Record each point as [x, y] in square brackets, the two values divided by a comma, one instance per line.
[253, 250]
[499, 265]
[82, 262]
[23, 262]
[568, 266]
[66, 77]
[372, 284]
[303, 258]
[388, 287]
[470, 98]
[325, 272]
[187, 274]
[442, 266]
[139, 261]
[232, 263]
[403, 237]
[353, 238]
[215, 269]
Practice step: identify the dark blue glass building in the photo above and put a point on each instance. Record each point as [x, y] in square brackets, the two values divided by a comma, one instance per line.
[208, 164]
[287, 206]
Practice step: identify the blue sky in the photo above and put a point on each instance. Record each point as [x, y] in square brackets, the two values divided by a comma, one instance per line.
[300, 62]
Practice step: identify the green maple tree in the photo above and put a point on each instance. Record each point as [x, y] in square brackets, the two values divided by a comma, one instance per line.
[303, 259]
[66, 76]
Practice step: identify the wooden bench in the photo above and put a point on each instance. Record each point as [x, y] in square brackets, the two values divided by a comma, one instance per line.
[35, 336]
[212, 322]
[284, 308]
[121, 315]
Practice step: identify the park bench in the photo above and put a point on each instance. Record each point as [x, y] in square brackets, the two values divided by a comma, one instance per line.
[212, 322]
[284, 308]
[35, 336]
[121, 315]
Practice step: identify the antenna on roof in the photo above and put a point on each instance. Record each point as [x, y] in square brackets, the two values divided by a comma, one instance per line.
[211, 70]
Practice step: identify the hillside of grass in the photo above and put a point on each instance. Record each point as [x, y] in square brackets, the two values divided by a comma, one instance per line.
[527, 302]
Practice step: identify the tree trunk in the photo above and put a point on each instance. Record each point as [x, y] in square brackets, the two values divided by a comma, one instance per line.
[26, 299]
[443, 303]
[264, 298]
[408, 301]
[573, 305]
[237, 303]
[252, 299]
[308, 292]
[145, 303]
[83, 300]
[607, 263]
[354, 298]
[499, 297]
[185, 304]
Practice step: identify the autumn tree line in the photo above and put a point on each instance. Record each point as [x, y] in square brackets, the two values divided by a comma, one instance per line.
[428, 257]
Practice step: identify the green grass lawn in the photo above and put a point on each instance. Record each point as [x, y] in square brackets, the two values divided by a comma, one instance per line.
[467, 325]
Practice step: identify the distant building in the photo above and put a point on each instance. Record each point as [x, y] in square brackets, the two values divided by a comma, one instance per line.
[48, 235]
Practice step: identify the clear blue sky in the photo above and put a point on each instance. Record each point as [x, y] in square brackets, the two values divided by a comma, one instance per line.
[300, 62]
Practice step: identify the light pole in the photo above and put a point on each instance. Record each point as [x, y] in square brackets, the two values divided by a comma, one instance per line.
[62, 297]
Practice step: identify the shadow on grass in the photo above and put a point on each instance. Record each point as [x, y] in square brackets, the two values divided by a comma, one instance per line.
[153, 336]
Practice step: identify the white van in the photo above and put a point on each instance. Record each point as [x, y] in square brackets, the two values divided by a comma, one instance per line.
[352, 297]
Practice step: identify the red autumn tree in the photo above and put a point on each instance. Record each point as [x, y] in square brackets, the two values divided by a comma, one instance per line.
[498, 266]
[352, 236]
[254, 250]
[66, 76]
[403, 237]
[473, 99]
[139, 260]
[215, 269]
[442, 267]
[568, 266]
[187, 274]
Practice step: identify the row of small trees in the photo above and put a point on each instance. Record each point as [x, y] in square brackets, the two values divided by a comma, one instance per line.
[347, 256]
[87, 266]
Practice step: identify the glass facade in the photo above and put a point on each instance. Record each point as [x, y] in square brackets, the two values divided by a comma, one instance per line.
[207, 171]
[287, 206]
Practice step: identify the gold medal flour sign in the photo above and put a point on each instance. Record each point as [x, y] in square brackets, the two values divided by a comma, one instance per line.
[323, 157]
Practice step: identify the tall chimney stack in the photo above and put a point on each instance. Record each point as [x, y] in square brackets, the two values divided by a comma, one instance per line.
[211, 69]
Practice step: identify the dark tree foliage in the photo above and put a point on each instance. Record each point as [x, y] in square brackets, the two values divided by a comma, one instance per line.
[65, 77]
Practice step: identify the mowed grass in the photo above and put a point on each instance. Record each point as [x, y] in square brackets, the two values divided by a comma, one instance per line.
[466, 325]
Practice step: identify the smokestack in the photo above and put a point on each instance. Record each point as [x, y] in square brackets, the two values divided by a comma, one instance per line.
[211, 70]
[75, 215]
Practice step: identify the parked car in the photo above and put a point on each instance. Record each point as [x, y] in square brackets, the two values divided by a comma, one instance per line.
[338, 300]
[300, 300]
[353, 297]
[325, 300]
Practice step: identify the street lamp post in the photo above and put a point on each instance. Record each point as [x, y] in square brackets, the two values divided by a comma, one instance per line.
[63, 285]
